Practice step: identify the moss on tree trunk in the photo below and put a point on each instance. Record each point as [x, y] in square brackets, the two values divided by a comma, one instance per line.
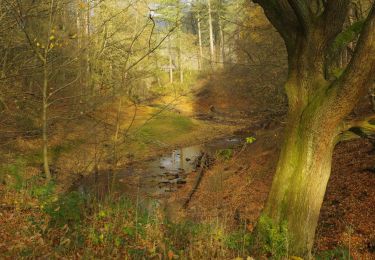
[318, 105]
[301, 178]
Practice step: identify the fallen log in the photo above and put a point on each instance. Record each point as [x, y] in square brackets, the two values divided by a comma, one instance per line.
[198, 179]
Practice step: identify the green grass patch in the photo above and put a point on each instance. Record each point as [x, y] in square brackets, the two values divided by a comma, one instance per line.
[14, 174]
[165, 128]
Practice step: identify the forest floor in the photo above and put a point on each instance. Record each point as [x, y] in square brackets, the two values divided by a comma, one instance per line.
[233, 190]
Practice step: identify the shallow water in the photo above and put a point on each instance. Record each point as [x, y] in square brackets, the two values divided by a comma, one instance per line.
[155, 178]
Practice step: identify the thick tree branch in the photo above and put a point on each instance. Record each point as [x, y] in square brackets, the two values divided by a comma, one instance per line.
[283, 18]
[360, 73]
[333, 18]
[359, 128]
[302, 11]
[358, 77]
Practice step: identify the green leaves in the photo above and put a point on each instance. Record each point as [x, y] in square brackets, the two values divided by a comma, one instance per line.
[273, 237]
[68, 209]
[250, 140]
[224, 154]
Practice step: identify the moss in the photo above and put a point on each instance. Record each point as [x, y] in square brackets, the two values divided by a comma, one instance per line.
[347, 36]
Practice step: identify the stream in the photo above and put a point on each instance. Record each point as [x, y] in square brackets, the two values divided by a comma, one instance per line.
[157, 178]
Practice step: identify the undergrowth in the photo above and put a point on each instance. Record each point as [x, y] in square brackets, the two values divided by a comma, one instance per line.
[75, 224]
[272, 239]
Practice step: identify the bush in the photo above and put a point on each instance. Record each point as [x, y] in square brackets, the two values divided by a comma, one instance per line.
[272, 238]
[67, 209]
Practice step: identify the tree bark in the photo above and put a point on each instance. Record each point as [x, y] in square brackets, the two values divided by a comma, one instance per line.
[180, 62]
[170, 60]
[45, 123]
[302, 174]
[89, 87]
[317, 109]
[222, 44]
[200, 43]
[211, 32]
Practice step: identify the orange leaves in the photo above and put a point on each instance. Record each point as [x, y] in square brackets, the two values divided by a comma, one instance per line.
[170, 255]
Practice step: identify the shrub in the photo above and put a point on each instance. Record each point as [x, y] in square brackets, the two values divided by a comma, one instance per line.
[68, 209]
[272, 238]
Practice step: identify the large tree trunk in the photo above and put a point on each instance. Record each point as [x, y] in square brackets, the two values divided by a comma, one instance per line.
[302, 174]
[304, 164]
[317, 109]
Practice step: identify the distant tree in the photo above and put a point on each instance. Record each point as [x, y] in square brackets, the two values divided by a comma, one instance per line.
[318, 105]
[211, 32]
[40, 33]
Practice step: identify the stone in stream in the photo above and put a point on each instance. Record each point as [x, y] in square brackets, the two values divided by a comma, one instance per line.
[188, 159]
